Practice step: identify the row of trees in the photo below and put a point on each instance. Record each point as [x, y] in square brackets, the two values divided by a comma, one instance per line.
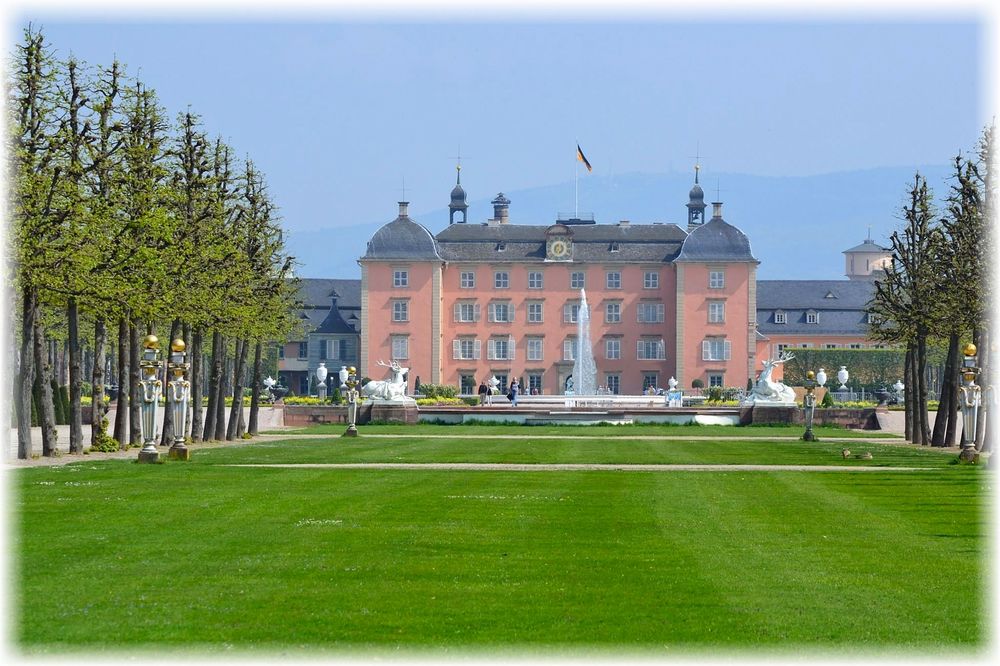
[938, 291]
[126, 224]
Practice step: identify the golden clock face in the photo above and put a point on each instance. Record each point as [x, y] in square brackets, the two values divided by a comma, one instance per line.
[559, 248]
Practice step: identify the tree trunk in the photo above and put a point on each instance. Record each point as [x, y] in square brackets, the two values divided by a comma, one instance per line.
[167, 438]
[43, 379]
[986, 417]
[954, 426]
[97, 408]
[220, 400]
[75, 378]
[236, 411]
[135, 389]
[213, 387]
[255, 389]
[122, 410]
[924, 424]
[908, 395]
[195, 423]
[26, 374]
[944, 421]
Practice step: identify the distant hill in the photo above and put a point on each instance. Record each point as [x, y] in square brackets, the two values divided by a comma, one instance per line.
[798, 226]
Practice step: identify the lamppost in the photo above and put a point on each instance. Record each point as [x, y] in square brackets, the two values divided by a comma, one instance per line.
[180, 391]
[149, 366]
[971, 399]
[810, 406]
[321, 373]
[352, 401]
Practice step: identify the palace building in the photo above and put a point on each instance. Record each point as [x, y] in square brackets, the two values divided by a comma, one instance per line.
[501, 298]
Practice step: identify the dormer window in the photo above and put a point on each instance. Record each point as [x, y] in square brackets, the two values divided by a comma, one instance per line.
[615, 246]
[830, 294]
[501, 246]
[779, 317]
[872, 318]
[812, 317]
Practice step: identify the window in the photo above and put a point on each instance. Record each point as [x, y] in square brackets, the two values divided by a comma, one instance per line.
[812, 317]
[466, 349]
[855, 345]
[303, 350]
[467, 384]
[534, 312]
[569, 349]
[535, 280]
[614, 383]
[304, 384]
[780, 348]
[400, 347]
[879, 346]
[872, 318]
[831, 345]
[650, 280]
[501, 279]
[613, 313]
[650, 349]
[500, 349]
[501, 246]
[577, 280]
[338, 350]
[806, 345]
[615, 246]
[535, 349]
[571, 312]
[715, 379]
[502, 378]
[468, 280]
[613, 348]
[466, 311]
[779, 317]
[501, 312]
[535, 383]
[401, 311]
[649, 379]
[716, 312]
[650, 313]
[716, 279]
[281, 351]
[400, 278]
[716, 349]
[322, 349]
[613, 280]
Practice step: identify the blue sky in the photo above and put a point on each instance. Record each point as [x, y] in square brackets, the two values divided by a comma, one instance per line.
[339, 112]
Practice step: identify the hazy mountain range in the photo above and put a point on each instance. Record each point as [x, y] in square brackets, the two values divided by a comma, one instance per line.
[798, 226]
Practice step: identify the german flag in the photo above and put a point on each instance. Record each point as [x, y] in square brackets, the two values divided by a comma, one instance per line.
[580, 156]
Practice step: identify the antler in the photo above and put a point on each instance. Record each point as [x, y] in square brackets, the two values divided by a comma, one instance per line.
[384, 364]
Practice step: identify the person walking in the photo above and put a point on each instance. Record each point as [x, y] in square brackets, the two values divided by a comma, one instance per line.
[482, 392]
[515, 388]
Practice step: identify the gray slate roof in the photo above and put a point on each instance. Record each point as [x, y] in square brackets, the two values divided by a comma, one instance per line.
[402, 239]
[526, 243]
[315, 298]
[716, 240]
[867, 246]
[840, 313]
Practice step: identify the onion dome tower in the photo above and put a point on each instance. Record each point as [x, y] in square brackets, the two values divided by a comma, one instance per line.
[458, 204]
[696, 203]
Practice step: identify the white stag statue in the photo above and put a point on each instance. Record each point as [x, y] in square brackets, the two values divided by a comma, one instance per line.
[766, 391]
[388, 389]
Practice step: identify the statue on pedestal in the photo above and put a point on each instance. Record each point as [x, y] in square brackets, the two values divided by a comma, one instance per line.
[390, 389]
[770, 393]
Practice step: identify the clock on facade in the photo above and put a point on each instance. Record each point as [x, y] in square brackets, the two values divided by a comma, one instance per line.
[558, 248]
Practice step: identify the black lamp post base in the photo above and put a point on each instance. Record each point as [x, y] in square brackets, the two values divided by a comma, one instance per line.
[352, 431]
[809, 436]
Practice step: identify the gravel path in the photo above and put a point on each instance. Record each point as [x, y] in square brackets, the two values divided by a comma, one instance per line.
[653, 438]
[586, 467]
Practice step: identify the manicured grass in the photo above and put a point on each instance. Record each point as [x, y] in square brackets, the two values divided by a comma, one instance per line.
[660, 429]
[114, 555]
[617, 450]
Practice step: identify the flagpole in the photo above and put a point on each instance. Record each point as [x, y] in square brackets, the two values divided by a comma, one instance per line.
[576, 197]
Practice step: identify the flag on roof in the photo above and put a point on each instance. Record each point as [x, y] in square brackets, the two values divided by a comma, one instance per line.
[580, 156]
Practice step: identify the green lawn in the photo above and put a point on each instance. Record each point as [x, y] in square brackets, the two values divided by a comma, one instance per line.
[114, 555]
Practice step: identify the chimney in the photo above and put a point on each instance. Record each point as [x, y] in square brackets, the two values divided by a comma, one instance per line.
[403, 205]
[623, 223]
[501, 212]
[716, 210]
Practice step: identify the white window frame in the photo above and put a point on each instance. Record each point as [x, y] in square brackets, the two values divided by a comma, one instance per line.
[535, 348]
[400, 278]
[812, 317]
[460, 347]
[571, 313]
[650, 349]
[535, 312]
[613, 280]
[642, 313]
[651, 280]
[716, 349]
[536, 280]
[468, 280]
[578, 280]
[780, 317]
[712, 376]
[613, 380]
[613, 349]
[501, 279]
[716, 312]
[401, 310]
[507, 308]
[569, 348]
[400, 347]
[717, 279]
[613, 313]
[493, 354]
[466, 312]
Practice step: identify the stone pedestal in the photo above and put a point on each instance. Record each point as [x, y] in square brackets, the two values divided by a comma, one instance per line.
[786, 414]
[179, 453]
[394, 411]
[149, 456]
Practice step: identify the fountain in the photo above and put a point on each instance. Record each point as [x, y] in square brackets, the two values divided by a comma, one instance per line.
[584, 367]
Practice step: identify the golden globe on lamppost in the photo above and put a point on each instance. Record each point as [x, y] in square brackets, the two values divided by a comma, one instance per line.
[180, 391]
[149, 367]
[970, 399]
[810, 406]
[352, 402]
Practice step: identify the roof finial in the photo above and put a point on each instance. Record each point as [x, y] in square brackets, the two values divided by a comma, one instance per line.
[697, 160]
[869, 233]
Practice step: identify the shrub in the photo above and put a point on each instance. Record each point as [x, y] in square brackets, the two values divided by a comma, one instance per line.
[827, 400]
[697, 383]
[438, 390]
[440, 401]
[105, 442]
